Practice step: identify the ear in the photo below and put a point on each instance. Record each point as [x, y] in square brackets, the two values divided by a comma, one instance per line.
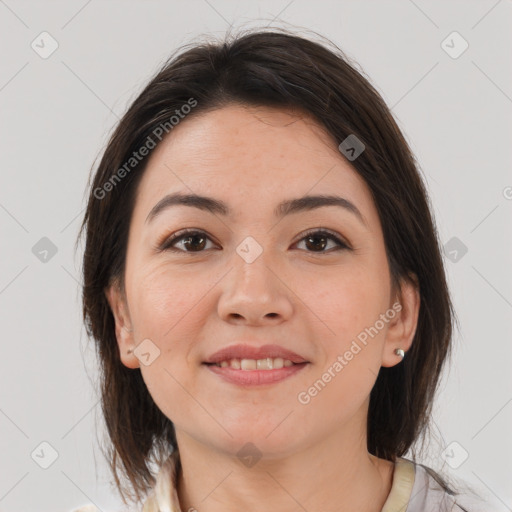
[124, 330]
[402, 327]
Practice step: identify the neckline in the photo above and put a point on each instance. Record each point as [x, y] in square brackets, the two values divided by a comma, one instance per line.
[397, 500]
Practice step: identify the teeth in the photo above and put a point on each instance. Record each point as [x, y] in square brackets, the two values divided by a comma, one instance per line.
[268, 363]
[248, 364]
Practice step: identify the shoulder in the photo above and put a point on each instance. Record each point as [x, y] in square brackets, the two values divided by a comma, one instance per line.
[430, 494]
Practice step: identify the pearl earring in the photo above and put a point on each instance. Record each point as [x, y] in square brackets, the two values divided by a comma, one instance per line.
[400, 352]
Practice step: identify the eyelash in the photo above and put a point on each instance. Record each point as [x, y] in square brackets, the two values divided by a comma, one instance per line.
[165, 245]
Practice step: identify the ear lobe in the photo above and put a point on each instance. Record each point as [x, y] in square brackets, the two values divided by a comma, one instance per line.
[123, 327]
[402, 328]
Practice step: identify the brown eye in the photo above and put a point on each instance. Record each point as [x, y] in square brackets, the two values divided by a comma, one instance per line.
[318, 240]
[191, 240]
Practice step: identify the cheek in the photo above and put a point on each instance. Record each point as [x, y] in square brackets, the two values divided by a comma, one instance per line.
[166, 302]
[349, 307]
[168, 309]
[348, 301]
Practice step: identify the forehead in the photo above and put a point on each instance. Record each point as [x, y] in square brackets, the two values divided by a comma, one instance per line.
[238, 153]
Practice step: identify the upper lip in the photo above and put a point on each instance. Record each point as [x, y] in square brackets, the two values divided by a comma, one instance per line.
[241, 351]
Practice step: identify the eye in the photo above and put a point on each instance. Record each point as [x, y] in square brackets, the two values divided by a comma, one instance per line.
[318, 239]
[191, 239]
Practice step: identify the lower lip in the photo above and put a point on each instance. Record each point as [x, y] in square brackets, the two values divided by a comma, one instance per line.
[255, 377]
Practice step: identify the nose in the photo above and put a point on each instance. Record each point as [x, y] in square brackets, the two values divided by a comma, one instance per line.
[255, 294]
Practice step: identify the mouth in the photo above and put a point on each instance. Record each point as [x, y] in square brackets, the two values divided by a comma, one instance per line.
[248, 357]
[234, 372]
[245, 365]
[266, 364]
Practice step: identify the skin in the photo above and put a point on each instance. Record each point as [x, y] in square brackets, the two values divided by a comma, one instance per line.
[311, 300]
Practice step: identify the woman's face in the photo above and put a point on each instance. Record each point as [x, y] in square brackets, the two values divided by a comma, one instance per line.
[254, 277]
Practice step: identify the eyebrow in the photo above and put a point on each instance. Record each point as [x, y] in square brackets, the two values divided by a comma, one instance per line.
[287, 207]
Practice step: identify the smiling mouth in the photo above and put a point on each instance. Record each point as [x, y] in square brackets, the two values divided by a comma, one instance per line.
[268, 363]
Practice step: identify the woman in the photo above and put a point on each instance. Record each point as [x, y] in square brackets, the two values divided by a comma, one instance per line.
[264, 282]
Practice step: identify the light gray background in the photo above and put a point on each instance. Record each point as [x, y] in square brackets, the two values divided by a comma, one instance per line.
[56, 115]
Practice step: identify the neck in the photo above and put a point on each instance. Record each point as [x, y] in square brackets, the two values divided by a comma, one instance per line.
[334, 474]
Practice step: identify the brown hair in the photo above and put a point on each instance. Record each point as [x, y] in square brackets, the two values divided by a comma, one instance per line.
[268, 68]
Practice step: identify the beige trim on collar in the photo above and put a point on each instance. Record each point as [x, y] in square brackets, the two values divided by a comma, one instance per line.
[401, 488]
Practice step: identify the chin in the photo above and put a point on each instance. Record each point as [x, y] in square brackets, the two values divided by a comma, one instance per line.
[269, 440]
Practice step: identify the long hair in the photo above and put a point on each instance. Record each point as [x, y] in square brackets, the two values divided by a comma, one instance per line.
[280, 69]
